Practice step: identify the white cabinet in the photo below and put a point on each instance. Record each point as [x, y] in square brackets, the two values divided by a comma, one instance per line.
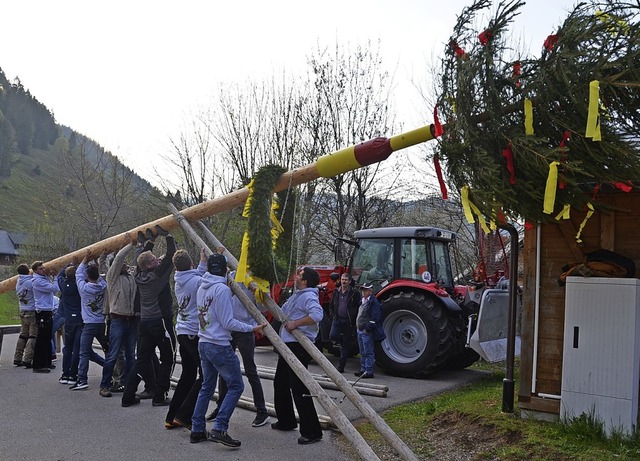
[601, 359]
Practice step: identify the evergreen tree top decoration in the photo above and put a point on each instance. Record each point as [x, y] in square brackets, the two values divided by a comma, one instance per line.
[513, 123]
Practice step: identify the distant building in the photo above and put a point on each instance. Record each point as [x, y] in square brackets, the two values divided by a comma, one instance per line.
[10, 243]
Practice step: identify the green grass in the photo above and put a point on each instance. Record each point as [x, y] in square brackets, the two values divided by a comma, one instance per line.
[470, 419]
[9, 312]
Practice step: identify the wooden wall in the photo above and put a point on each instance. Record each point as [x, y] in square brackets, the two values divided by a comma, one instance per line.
[617, 229]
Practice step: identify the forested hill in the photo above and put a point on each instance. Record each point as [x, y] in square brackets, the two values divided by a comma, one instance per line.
[59, 186]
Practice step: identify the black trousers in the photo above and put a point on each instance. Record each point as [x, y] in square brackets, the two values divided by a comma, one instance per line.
[151, 334]
[286, 385]
[42, 349]
[186, 393]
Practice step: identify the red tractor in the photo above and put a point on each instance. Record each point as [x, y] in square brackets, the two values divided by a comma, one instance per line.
[428, 319]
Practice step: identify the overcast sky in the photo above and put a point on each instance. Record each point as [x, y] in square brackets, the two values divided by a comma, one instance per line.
[125, 72]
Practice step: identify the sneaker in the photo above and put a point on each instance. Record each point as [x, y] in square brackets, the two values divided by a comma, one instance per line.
[52, 367]
[41, 370]
[64, 379]
[116, 388]
[307, 440]
[340, 369]
[196, 437]
[278, 427]
[366, 375]
[260, 420]
[211, 416]
[359, 373]
[146, 395]
[79, 386]
[162, 403]
[54, 358]
[72, 380]
[224, 438]
[135, 401]
[104, 392]
[17, 363]
[27, 364]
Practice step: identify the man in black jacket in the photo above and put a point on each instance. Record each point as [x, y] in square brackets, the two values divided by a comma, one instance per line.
[344, 309]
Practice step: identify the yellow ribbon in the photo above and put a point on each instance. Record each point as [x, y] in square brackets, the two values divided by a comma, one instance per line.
[464, 198]
[613, 24]
[593, 117]
[565, 213]
[481, 220]
[550, 189]
[584, 221]
[528, 117]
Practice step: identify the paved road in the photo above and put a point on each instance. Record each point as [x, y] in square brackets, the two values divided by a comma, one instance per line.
[42, 420]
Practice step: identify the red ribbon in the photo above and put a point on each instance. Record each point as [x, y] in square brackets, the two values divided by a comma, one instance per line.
[443, 187]
[529, 225]
[508, 155]
[550, 42]
[485, 36]
[437, 126]
[563, 159]
[623, 186]
[596, 189]
[456, 49]
[516, 73]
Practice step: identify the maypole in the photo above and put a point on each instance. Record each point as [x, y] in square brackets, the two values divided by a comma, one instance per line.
[341, 161]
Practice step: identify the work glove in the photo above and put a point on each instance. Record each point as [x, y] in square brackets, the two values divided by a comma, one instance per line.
[149, 235]
[141, 238]
[161, 231]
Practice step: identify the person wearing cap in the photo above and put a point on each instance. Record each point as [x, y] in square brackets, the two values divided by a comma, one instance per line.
[303, 312]
[368, 323]
[217, 357]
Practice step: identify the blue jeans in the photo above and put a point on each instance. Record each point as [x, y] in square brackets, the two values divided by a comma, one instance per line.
[216, 360]
[89, 331]
[122, 331]
[71, 350]
[58, 321]
[365, 342]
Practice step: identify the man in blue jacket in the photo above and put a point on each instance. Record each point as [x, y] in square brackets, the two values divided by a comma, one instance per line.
[44, 290]
[370, 329]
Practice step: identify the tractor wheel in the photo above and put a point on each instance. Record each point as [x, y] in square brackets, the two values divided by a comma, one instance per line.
[419, 335]
[461, 355]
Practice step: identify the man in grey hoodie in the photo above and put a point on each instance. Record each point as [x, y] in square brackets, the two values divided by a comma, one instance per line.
[91, 287]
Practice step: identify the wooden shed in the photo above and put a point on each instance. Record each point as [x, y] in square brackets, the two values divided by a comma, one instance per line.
[547, 248]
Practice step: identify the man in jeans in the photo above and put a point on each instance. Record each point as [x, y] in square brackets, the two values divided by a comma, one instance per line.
[123, 319]
[23, 355]
[70, 297]
[246, 344]
[91, 287]
[215, 316]
[370, 329]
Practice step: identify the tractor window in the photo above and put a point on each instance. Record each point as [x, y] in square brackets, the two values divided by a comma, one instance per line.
[414, 260]
[373, 262]
[441, 270]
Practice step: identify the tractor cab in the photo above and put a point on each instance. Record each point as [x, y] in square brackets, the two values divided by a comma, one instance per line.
[384, 255]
